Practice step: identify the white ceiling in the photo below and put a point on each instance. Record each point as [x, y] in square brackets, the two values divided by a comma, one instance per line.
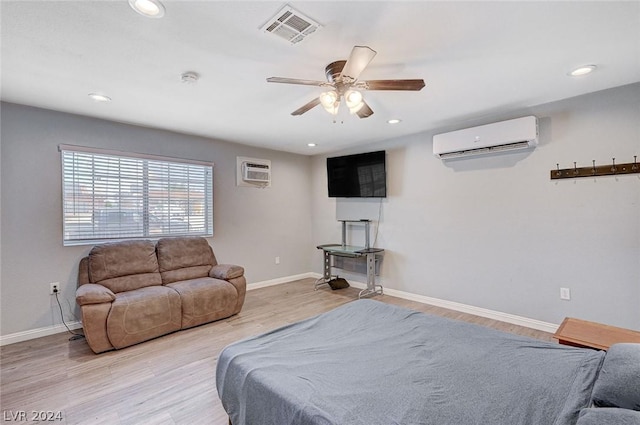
[477, 58]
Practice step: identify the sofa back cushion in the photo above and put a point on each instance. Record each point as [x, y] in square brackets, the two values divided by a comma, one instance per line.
[124, 266]
[184, 258]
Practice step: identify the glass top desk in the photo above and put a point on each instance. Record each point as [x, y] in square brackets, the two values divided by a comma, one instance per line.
[344, 250]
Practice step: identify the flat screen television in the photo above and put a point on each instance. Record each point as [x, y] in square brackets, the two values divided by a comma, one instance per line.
[357, 176]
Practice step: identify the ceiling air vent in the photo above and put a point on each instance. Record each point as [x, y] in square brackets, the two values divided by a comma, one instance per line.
[291, 25]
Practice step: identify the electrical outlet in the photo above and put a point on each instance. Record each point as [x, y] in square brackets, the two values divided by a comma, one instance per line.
[54, 287]
[565, 294]
[277, 260]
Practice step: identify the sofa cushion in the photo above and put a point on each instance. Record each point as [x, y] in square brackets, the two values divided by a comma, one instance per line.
[226, 271]
[124, 266]
[618, 384]
[608, 416]
[184, 258]
[83, 271]
[143, 314]
[92, 293]
[205, 299]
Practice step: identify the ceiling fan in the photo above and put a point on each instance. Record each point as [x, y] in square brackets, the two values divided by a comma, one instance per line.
[342, 80]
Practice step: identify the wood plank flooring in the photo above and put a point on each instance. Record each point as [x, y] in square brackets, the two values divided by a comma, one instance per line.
[170, 380]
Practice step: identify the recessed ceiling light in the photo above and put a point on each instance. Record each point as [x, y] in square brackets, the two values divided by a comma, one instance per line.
[99, 97]
[311, 145]
[148, 8]
[583, 70]
[394, 121]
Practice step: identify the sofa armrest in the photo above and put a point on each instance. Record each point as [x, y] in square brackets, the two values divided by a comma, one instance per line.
[92, 293]
[226, 271]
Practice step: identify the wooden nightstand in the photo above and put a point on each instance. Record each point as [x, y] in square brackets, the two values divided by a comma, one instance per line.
[581, 333]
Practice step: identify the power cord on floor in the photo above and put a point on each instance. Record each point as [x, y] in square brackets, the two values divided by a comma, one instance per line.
[375, 239]
[75, 335]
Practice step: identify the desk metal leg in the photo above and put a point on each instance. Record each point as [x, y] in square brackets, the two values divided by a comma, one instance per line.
[326, 277]
[371, 289]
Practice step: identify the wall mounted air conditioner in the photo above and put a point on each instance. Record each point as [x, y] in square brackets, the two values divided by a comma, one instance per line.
[258, 173]
[519, 133]
[253, 172]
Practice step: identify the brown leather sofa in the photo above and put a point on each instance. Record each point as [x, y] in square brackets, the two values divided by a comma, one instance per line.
[133, 291]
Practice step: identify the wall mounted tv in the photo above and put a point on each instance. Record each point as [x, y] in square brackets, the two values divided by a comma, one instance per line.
[357, 176]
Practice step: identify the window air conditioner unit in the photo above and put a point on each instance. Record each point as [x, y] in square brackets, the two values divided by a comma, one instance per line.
[516, 134]
[256, 173]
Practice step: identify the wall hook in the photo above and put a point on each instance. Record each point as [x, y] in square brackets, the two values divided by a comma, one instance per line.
[600, 170]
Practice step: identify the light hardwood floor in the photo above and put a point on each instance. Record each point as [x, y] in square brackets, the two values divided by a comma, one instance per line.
[170, 380]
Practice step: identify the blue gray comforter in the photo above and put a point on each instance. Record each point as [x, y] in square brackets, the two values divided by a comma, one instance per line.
[371, 363]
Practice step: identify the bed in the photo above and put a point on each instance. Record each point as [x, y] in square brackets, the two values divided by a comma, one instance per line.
[372, 363]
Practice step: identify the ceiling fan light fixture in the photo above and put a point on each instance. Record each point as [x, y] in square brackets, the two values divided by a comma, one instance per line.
[342, 76]
[328, 99]
[354, 102]
[148, 8]
[353, 98]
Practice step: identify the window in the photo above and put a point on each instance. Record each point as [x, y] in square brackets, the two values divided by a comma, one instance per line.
[113, 195]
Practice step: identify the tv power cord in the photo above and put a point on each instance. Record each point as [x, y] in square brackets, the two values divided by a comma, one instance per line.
[74, 335]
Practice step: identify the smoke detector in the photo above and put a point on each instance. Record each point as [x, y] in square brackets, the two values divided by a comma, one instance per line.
[291, 25]
[189, 77]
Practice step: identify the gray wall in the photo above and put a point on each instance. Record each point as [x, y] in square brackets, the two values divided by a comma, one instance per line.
[251, 226]
[495, 232]
[491, 232]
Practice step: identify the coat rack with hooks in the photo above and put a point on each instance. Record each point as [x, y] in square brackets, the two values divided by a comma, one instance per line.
[596, 170]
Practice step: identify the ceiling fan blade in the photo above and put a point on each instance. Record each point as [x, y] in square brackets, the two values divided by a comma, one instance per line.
[301, 110]
[414, 85]
[357, 62]
[296, 81]
[365, 111]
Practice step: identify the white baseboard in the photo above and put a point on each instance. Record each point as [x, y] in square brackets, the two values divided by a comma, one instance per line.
[278, 281]
[451, 305]
[37, 333]
[465, 308]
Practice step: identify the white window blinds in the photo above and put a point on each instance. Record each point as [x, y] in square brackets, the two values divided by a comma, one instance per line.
[112, 195]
